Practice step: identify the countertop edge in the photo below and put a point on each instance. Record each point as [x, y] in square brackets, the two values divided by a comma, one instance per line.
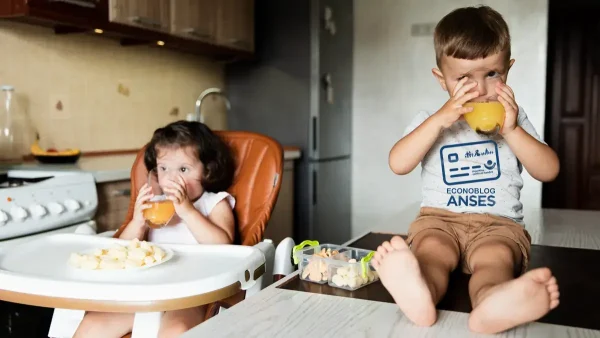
[108, 168]
[109, 176]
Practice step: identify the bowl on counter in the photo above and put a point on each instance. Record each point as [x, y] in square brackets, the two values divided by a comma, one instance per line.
[57, 159]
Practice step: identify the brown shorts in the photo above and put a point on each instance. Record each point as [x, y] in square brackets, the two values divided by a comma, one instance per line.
[469, 229]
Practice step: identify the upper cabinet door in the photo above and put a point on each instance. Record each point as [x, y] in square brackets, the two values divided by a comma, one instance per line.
[194, 19]
[235, 24]
[148, 14]
[72, 10]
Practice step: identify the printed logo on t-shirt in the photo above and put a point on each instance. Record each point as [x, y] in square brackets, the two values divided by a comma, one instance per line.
[466, 164]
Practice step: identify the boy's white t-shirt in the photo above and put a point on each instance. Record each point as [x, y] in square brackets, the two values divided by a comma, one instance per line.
[465, 172]
[179, 233]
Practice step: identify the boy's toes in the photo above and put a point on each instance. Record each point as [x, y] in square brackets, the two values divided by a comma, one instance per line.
[398, 243]
[375, 262]
[388, 246]
[377, 257]
[382, 250]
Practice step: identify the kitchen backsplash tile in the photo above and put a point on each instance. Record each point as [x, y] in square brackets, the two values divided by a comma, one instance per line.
[112, 97]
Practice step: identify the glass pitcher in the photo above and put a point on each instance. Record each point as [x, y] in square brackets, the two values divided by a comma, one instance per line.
[16, 134]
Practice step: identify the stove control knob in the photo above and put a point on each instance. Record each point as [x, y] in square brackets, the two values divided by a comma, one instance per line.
[37, 211]
[72, 205]
[56, 208]
[18, 213]
[3, 218]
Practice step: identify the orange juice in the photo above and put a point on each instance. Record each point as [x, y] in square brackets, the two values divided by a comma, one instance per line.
[486, 118]
[160, 213]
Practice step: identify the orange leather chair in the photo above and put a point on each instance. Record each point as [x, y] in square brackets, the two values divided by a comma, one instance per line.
[256, 184]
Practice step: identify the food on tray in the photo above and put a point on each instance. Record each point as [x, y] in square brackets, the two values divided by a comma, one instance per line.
[351, 275]
[135, 255]
[316, 269]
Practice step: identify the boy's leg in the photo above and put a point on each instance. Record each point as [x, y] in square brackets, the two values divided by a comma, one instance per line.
[418, 279]
[104, 325]
[501, 302]
[176, 323]
[438, 255]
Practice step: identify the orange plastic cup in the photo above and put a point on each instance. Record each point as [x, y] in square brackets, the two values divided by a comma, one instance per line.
[160, 212]
[487, 118]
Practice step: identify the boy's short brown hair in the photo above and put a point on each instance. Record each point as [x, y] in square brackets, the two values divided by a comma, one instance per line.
[471, 33]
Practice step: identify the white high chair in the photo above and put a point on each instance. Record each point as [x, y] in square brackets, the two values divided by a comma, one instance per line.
[257, 180]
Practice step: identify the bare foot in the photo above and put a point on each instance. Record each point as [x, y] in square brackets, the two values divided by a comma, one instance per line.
[516, 302]
[399, 272]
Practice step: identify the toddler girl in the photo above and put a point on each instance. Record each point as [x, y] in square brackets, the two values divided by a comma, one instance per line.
[194, 168]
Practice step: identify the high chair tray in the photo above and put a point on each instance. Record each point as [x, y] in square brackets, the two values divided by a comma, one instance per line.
[40, 267]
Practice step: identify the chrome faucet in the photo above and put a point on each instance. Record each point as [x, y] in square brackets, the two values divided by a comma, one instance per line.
[208, 92]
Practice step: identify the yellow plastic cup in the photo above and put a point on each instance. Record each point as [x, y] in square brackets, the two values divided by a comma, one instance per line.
[487, 118]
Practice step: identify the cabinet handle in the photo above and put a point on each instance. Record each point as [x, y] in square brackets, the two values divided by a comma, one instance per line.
[81, 3]
[148, 22]
[120, 192]
[194, 32]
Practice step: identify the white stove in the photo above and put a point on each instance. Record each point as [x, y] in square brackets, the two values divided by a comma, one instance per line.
[39, 202]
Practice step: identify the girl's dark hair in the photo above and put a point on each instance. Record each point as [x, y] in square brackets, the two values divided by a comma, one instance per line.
[211, 150]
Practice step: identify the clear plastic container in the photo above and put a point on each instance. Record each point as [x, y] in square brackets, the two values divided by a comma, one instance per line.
[313, 262]
[348, 271]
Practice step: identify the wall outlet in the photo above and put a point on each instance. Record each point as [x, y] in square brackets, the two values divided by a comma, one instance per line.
[422, 29]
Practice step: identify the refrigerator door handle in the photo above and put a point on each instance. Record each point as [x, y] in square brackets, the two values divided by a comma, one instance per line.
[314, 133]
[314, 187]
[328, 86]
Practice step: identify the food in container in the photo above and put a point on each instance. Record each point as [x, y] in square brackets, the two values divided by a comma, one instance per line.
[352, 269]
[313, 262]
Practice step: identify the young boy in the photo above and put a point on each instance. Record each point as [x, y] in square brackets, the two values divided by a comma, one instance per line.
[471, 214]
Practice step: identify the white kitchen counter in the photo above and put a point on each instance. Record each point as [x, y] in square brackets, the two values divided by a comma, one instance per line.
[107, 168]
[104, 168]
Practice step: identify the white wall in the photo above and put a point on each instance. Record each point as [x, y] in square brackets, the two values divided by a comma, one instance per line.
[393, 81]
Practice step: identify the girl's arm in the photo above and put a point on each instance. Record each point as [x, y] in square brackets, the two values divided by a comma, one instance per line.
[134, 230]
[217, 228]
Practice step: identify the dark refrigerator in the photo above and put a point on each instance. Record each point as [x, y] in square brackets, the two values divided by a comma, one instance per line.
[298, 90]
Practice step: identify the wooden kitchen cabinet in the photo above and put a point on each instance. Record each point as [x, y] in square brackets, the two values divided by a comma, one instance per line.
[147, 14]
[194, 19]
[76, 12]
[220, 29]
[113, 202]
[281, 224]
[235, 24]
